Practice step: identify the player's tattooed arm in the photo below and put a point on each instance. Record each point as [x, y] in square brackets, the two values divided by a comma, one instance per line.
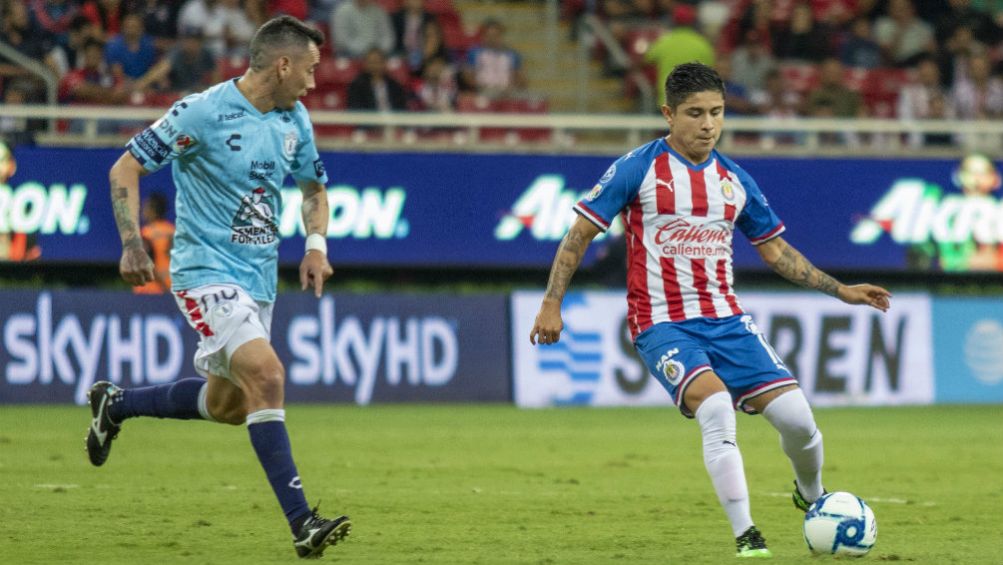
[315, 210]
[124, 178]
[793, 266]
[569, 256]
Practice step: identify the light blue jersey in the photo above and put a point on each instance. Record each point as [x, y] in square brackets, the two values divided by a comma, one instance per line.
[229, 162]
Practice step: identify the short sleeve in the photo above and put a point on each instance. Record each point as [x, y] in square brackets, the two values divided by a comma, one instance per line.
[617, 187]
[173, 135]
[757, 221]
[308, 166]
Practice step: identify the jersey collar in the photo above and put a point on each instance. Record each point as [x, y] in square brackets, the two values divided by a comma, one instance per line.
[698, 167]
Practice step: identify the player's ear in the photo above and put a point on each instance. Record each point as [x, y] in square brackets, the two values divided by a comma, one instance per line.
[284, 65]
[667, 113]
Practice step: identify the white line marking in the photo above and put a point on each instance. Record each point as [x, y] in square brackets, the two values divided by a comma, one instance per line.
[866, 499]
[55, 486]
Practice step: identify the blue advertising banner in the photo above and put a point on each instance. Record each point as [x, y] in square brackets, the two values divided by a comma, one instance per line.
[968, 352]
[341, 348]
[425, 209]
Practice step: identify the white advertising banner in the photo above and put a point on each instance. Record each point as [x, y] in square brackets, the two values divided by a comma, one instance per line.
[842, 355]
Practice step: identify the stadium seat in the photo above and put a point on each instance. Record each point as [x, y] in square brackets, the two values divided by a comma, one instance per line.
[800, 77]
[439, 7]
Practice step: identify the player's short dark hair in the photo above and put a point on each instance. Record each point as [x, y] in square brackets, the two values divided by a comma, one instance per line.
[158, 203]
[688, 79]
[281, 32]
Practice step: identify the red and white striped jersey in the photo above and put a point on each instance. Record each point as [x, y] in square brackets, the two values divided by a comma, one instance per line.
[678, 220]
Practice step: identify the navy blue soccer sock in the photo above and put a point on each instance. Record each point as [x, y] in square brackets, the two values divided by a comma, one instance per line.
[267, 429]
[178, 400]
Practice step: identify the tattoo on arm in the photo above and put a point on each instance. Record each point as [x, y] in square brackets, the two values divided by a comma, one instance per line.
[315, 212]
[569, 255]
[794, 267]
[124, 217]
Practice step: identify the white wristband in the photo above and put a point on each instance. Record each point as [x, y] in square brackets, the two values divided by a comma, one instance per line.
[316, 242]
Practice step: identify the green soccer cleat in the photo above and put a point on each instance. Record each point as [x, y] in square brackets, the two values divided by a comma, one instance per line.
[317, 533]
[751, 544]
[800, 502]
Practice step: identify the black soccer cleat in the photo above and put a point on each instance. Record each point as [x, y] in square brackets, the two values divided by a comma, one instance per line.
[103, 430]
[317, 533]
[751, 544]
[800, 502]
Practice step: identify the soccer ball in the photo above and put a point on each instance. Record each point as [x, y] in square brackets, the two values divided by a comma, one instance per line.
[840, 523]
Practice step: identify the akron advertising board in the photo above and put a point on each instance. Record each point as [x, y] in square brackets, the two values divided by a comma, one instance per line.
[840, 354]
[495, 210]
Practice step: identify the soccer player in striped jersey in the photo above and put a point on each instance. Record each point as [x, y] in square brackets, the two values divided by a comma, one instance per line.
[681, 201]
[231, 148]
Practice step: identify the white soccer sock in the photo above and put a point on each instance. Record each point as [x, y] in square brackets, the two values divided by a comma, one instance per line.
[723, 460]
[800, 439]
[203, 406]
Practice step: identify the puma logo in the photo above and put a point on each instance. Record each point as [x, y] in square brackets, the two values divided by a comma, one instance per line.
[669, 185]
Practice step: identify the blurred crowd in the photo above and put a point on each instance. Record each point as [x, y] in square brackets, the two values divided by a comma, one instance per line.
[910, 59]
[386, 55]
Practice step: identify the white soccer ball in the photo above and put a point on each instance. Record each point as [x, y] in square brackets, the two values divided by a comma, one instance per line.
[840, 523]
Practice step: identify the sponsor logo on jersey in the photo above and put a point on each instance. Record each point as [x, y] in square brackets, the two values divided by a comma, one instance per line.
[318, 169]
[594, 193]
[255, 222]
[150, 145]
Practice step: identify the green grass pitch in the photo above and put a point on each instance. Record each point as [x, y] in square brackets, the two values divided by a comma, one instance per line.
[489, 484]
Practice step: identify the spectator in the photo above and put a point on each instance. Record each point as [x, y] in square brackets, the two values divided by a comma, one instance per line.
[18, 131]
[493, 68]
[954, 55]
[71, 56]
[19, 32]
[436, 90]
[131, 54]
[92, 83]
[736, 96]
[358, 26]
[409, 31]
[962, 14]
[832, 95]
[53, 17]
[106, 15]
[902, 36]
[161, 22]
[803, 39]
[924, 99]
[979, 95]
[373, 89]
[859, 50]
[188, 67]
[433, 45]
[681, 44]
[158, 238]
[226, 27]
[776, 99]
[752, 61]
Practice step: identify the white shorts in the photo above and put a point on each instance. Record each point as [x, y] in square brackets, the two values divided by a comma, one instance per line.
[225, 318]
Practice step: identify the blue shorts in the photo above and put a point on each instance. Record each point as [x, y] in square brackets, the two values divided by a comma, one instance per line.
[733, 347]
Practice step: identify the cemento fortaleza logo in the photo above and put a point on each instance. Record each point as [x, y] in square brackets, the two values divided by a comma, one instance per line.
[40, 348]
[914, 211]
[416, 350]
[33, 208]
[367, 213]
[546, 210]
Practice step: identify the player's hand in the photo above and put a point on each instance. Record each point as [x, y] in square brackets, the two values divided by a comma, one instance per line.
[314, 270]
[548, 325]
[869, 294]
[136, 267]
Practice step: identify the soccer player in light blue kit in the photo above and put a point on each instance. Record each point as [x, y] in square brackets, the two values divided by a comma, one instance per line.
[231, 147]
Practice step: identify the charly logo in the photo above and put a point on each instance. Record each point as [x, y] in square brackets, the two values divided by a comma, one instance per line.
[254, 223]
[670, 368]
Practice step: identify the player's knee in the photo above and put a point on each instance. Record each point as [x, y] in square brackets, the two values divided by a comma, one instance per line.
[264, 381]
[225, 411]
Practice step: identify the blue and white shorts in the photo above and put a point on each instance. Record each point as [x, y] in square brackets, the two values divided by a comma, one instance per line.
[225, 317]
[733, 347]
